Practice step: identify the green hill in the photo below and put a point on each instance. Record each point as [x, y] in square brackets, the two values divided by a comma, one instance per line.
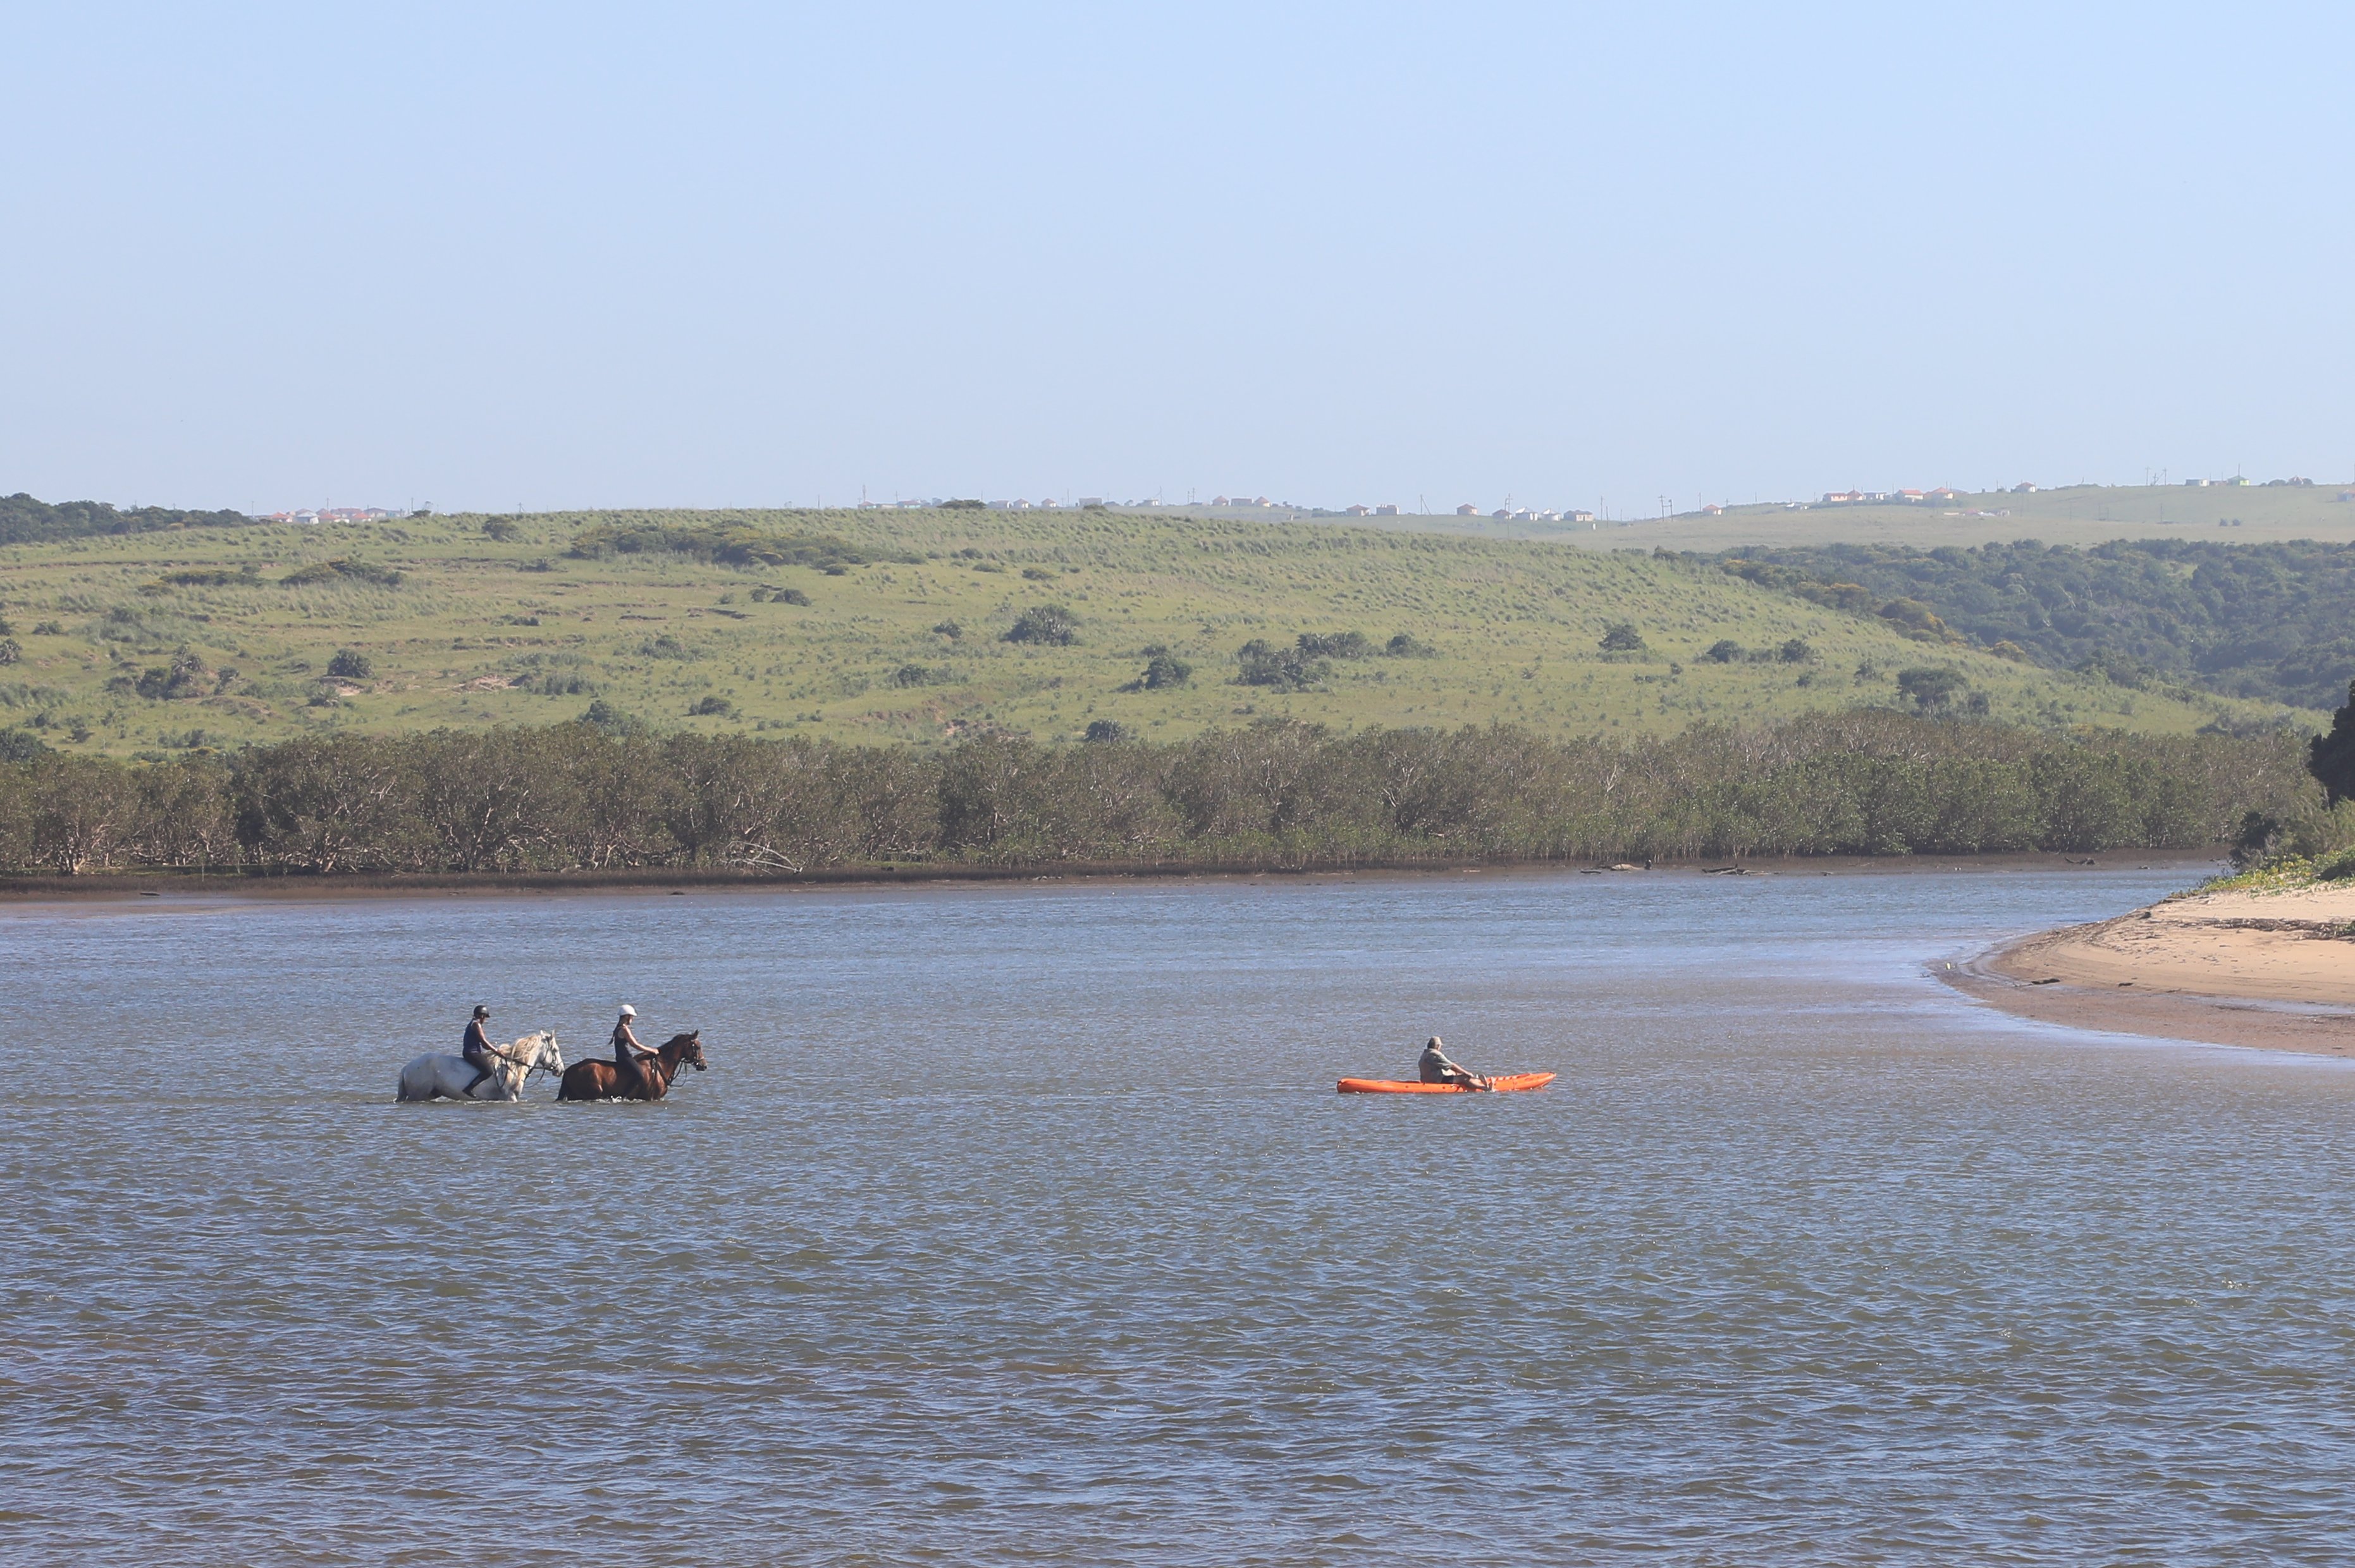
[921, 626]
[2274, 622]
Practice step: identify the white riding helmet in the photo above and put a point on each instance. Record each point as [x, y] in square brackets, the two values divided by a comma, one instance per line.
[628, 1011]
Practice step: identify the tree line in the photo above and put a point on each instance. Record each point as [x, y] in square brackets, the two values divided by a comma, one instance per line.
[24, 520]
[574, 798]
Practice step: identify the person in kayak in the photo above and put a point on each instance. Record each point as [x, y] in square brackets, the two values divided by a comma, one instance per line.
[1435, 1067]
[477, 1048]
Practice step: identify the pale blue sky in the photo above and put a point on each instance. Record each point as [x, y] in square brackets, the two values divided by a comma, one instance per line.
[493, 255]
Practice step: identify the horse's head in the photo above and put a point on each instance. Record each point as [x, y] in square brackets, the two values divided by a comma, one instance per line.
[550, 1056]
[689, 1048]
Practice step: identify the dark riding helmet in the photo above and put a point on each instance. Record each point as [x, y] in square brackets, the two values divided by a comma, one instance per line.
[481, 1012]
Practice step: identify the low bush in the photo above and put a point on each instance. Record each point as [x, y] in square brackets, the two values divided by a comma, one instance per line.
[1336, 645]
[1163, 670]
[351, 664]
[342, 571]
[1049, 624]
[1261, 663]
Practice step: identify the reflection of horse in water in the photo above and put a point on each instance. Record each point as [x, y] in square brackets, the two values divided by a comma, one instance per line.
[597, 1079]
[438, 1075]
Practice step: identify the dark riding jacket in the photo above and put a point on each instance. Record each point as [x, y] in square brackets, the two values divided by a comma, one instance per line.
[476, 1049]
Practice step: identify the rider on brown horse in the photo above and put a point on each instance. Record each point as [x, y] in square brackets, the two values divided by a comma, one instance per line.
[647, 1076]
[627, 1050]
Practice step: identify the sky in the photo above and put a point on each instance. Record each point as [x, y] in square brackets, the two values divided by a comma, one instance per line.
[507, 256]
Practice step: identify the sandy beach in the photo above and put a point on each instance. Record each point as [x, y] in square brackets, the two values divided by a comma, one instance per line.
[2273, 970]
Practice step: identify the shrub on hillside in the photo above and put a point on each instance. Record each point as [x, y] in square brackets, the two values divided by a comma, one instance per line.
[1407, 645]
[606, 719]
[1620, 637]
[732, 542]
[1049, 624]
[1336, 645]
[1931, 689]
[1261, 663]
[351, 664]
[1107, 731]
[1162, 669]
[342, 571]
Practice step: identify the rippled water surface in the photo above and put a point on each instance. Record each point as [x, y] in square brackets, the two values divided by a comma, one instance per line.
[1024, 1226]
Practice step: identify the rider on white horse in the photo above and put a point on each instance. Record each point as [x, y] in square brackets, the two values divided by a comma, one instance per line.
[476, 1049]
[437, 1075]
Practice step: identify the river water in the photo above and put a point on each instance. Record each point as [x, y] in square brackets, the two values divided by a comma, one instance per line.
[1023, 1226]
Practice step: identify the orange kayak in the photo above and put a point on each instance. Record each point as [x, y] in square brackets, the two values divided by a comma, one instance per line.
[1504, 1081]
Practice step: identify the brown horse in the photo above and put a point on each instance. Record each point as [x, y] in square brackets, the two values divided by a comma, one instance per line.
[597, 1079]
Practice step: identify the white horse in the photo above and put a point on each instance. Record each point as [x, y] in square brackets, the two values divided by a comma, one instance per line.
[438, 1075]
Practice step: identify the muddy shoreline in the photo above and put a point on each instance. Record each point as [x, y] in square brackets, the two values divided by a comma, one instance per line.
[28, 890]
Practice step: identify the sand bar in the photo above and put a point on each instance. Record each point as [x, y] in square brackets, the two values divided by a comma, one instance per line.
[2273, 970]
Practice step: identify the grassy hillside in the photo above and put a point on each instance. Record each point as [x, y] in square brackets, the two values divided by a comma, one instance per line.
[2076, 514]
[210, 637]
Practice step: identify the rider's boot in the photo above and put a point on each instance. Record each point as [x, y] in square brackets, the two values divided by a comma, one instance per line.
[481, 1073]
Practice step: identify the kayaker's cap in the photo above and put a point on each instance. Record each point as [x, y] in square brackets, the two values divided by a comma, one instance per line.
[628, 1011]
[481, 1012]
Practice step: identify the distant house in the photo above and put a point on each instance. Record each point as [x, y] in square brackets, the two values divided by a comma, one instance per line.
[1916, 496]
[1842, 497]
[2197, 483]
[1503, 514]
[1359, 511]
[1577, 514]
[1941, 494]
[1713, 510]
[1386, 511]
[2024, 490]
[1467, 510]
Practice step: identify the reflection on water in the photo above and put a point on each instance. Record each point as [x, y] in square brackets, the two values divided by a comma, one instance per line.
[1025, 1226]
